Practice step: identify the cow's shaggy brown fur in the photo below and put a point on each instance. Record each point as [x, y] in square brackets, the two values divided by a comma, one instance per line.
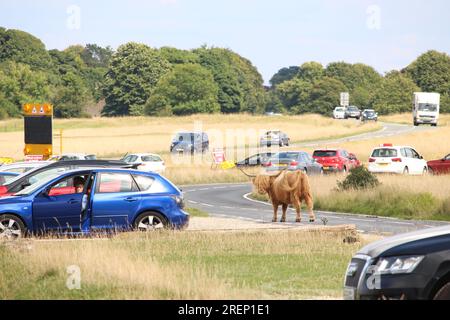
[286, 188]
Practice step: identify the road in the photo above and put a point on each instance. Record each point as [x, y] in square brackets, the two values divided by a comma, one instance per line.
[230, 200]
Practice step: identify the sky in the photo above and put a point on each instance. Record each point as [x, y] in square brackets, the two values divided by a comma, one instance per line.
[271, 33]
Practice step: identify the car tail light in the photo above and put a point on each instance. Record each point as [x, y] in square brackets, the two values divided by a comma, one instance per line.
[267, 164]
[294, 163]
[396, 160]
[372, 160]
[3, 189]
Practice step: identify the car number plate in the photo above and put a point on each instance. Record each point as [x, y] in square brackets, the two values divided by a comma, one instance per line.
[383, 164]
[326, 168]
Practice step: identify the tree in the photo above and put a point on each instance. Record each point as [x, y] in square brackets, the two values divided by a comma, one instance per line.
[395, 94]
[135, 69]
[71, 97]
[284, 74]
[95, 56]
[177, 56]
[431, 72]
[19, 85]
[325, 95]
[22, 47]
[353, 75]
[311, 71]
[240, 84]
[294, 95]
[187, 89]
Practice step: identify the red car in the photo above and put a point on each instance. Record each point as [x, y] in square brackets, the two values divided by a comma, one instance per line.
[441, 166]
[336, 160]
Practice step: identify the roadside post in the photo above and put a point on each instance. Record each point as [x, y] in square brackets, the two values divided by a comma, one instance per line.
[38, 128]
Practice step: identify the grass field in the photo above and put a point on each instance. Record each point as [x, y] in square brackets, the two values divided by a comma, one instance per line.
[113, 137]
[180, 265]
[407, 197]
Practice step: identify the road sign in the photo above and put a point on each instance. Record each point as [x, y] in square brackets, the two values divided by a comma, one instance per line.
[345, 99]
[38, 129]
[218, 156]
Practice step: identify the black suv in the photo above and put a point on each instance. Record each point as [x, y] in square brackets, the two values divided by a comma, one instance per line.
[33, 176]
[413, 265]
[190, 142]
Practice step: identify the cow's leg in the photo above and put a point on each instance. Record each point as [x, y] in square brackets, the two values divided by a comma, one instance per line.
[275, 211]
[298, 207]
[283, 217]
[309, 204]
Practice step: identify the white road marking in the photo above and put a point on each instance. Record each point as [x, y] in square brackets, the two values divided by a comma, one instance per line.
[206, 205]
[190, 201]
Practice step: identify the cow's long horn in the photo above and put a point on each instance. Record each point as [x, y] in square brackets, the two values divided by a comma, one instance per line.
[248, 175]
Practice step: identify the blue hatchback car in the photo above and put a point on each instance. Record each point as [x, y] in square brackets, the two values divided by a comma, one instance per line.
[85, 200]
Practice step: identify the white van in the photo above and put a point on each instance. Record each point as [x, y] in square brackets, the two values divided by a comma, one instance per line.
[426, 108]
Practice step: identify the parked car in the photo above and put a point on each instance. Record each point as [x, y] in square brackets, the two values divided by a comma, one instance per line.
[274, 137]
[190, 142]
[352, 112]
[73, 156]
[255, 160]
[21, 167]
[5, 177]
[410, 266]
[397, 159]
[441, 166]
[336, 160]
[339, 113]
[29, 178]
[109, 199]
[146, 161]
[292, 161]
[369, 115]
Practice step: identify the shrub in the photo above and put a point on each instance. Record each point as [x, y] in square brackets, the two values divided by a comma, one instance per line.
[359, 179]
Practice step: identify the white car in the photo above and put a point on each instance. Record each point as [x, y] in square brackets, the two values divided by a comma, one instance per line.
[397, 159]
[148, 161]
[339, 113]
[21, 167]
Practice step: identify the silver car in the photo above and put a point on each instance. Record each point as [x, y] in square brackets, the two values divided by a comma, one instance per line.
[274, 137]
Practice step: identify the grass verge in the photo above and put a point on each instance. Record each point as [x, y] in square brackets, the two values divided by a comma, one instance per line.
[180, 265]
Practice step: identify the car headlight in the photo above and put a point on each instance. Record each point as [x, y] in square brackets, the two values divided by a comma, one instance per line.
[396, 265]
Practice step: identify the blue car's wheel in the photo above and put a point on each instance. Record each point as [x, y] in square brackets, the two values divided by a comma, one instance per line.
[11, 227]
[150, 221]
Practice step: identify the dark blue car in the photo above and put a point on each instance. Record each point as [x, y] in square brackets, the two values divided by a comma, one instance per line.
[85, 200]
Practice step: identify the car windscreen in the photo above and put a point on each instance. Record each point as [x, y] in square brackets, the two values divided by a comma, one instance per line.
[384, 153]
[324, 153]
[428, 107]
[285, 156]
[130, 158]
[151, 158]
[183, 137]
[352, 109]
[339, 109]
[37, 185]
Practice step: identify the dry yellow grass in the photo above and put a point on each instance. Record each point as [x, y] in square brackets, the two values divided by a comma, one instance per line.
[181, 265]
[113, 137]
[439, 186]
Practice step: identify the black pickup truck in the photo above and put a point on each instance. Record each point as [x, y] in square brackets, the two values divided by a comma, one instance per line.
[411, 266]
